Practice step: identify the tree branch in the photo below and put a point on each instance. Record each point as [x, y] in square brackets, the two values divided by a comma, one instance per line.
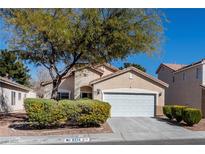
[76, 58]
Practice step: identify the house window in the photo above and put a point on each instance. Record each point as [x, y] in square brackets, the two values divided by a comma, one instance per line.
[13, 98]
[86, 95]
[197, 73]
[183, 76]
[19, 96]
[173, 79]
[63, 95]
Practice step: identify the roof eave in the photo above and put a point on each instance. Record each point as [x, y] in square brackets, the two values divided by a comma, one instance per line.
[188, 67]
[15, 85]
[136, 70]
[165, 66]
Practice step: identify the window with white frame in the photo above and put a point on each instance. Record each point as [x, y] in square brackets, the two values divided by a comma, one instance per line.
[13, 98]
[19, 96]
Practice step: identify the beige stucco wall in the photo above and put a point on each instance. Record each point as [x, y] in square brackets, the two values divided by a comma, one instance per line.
[137, 81]
[166, 74]
[66, 85]
[183, 92]
[5, 97]
[203, 74]
[203, 102]
[83, 78]
[47, 91]
[78, 79]
[106, 70]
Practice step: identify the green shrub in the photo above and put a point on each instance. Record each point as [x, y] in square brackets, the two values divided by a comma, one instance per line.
[191, 116]
[93, 113]
[177, 112]
[167, 110]
[43, 112]
[70, 109]
[84, 112]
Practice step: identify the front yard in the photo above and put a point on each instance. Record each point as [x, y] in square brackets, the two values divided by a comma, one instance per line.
[50, 117]
[14, 125]
[47, 117]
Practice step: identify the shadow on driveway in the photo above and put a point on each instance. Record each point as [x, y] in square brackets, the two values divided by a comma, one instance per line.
[171, 122]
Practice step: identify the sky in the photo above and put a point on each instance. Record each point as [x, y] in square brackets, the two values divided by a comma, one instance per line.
[184, 41]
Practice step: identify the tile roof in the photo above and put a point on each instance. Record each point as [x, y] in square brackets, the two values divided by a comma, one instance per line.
[95, 68]
[192, 64]
[175, 66]
[107, 65]
[180, 67]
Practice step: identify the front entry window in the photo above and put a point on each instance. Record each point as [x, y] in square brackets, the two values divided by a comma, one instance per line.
[63, 95]
[86, 95]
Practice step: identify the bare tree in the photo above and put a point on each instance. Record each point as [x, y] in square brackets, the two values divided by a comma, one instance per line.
[42, 75]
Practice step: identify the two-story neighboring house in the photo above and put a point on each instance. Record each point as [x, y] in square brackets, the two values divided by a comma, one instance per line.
[130, 91]
[186, 84]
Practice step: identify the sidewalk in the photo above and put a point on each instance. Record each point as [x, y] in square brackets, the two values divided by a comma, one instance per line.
[98, 138]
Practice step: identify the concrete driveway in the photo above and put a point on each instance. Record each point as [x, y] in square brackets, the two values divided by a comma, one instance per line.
[141, 128]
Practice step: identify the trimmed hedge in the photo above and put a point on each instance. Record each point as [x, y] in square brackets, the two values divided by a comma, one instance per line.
[167, 110]
[92, 112]
[191, 116]
[46, 112]
[43, 112]
[177, 112]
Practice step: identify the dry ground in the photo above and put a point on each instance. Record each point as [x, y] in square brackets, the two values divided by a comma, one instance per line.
[8, 121]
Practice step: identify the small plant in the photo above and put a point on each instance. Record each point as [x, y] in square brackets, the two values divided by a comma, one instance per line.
[177, 112]
[167, 110]
[192, 116]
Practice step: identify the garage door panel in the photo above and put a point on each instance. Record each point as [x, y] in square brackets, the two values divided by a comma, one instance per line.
[129, 105]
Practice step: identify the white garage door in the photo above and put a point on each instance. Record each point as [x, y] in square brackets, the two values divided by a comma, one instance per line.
[131, 105]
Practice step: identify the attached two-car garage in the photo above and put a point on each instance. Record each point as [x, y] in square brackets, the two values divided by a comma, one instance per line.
[131, 104]
[131, 93]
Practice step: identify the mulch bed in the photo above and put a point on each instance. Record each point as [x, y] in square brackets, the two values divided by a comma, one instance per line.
[197, 127]
[14, 124]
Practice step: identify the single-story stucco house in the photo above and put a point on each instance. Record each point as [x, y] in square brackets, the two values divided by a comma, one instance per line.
[12, 95]
[130, 91]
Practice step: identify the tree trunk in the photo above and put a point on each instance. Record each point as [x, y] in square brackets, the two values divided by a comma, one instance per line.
[56, 83]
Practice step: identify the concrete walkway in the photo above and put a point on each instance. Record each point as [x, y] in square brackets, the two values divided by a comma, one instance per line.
[124, 129]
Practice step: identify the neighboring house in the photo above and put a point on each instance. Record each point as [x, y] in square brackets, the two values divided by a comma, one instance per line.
[130, 91]
[12, 95]
[186, 84]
